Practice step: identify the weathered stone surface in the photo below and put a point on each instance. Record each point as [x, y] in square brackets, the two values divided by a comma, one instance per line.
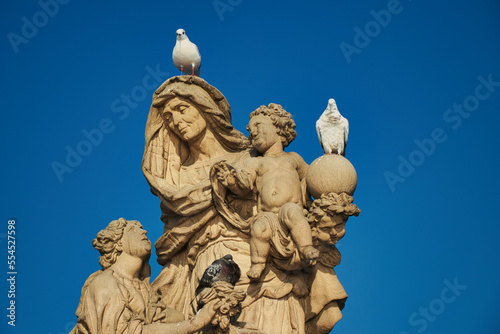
[119, 298]
[331, 173]
[224, 194]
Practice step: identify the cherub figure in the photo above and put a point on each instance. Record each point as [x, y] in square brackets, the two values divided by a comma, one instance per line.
[275, 177]
[327, 216]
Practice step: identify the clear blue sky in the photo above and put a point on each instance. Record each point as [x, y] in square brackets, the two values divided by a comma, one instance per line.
[418, 80]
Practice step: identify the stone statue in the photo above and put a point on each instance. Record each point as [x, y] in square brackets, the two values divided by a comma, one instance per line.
[222, 196]
[119, 298]
[188, 130]
[276, 178]
[327, 216]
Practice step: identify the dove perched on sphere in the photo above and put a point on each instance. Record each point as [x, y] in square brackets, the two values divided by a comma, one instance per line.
[332, 129]
[186, 56]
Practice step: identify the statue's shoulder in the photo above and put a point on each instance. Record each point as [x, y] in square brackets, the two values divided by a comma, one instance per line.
[102, 280]
[97, 290]
[295, 156]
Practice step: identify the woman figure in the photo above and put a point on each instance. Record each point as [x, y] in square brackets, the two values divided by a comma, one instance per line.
[118, 299]
[188, 130]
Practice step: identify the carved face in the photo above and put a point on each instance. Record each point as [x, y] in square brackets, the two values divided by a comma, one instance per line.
[331, 229]
[134, 240]
[263, 133]
[184, 119]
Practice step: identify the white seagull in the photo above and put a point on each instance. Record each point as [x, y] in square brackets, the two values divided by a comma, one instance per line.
[332, 129]
[186, 56]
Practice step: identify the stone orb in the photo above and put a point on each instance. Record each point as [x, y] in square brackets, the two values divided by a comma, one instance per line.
[331, 173]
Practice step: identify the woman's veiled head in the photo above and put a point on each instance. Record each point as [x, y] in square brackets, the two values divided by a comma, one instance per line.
[184, 119]
[187, 92]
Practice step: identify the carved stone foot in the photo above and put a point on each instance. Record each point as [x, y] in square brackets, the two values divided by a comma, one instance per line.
[256, 270]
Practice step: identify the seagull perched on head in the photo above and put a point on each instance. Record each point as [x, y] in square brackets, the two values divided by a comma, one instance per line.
[332, 129]
[186, 56]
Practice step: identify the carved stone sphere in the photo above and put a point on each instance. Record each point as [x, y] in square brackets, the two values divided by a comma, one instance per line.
[331, 173]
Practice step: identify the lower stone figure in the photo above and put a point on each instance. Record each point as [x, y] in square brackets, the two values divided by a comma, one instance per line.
[327, 297]
[119, 299]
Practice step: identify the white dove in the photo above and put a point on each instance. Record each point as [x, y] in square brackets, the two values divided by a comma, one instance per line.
[186, 56]
[332, 129]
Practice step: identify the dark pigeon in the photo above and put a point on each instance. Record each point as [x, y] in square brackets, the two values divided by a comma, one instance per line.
[223, 269]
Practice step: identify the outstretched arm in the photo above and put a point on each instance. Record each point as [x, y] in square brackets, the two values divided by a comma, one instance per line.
[200, 320]
[238, 181]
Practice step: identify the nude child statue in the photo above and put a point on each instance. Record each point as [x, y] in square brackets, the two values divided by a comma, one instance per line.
[275, 177]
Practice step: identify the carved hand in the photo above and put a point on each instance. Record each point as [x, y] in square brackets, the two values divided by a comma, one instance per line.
[205, 315]
[311, 254]
[226, 174]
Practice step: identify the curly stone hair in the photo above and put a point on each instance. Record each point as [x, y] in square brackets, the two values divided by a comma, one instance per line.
[332, 204]
[109, 242]
[281, 119]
